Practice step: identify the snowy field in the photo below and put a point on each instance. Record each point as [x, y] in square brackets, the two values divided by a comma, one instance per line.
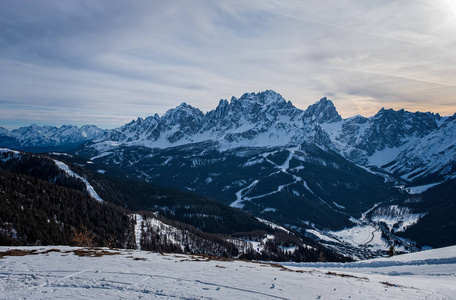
[75, 273]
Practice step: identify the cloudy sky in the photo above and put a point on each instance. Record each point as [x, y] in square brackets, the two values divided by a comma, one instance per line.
[108, 62]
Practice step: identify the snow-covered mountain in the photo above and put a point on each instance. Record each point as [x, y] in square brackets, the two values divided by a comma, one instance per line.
[254, 120]
[35, 136]
[267, 120]
[5, 132]
[391, 139]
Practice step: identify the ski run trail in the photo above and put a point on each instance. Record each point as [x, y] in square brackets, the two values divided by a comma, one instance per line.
[61, 272]
[89, 187]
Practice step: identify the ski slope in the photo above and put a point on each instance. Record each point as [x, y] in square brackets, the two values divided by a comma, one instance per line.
[89, 187]
[58, 272]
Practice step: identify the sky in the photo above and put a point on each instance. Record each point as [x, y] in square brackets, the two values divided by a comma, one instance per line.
[106, 62]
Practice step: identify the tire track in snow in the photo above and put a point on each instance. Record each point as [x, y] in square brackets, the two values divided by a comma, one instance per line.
[65, 277]
[152, 276]
[240, 289]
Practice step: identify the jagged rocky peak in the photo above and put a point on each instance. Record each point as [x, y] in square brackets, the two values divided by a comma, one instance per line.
[188, 118]
[134, 124]
[323, 111]
[151, 119]
[182, 113]
[262, 106]
[403, 122]
[270, 97]
[221, 110]
[4, 132]
[266, 98]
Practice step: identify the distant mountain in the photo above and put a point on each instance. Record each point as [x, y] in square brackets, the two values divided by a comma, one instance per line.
[47, 138]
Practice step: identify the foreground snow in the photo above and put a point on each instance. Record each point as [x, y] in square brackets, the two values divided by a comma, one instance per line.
[57, 272]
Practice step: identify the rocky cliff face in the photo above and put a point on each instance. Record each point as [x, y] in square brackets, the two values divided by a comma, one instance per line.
[362, 139]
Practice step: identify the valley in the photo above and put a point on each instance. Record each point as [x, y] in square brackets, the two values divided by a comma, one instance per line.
[326, 178]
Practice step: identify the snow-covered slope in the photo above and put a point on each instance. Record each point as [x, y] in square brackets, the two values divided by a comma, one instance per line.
[72, 273]
[435, 154]
[395, 217]
[434, 262]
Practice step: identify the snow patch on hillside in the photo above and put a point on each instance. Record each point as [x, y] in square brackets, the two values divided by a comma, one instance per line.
[272, 225]
[9, 154]
[385, 156]
[396, 218]
[322, 236]
[413, 190]
[362, 235]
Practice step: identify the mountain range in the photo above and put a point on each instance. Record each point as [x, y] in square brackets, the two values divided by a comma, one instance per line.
[306, 169]
[46, 138]
[389, 139]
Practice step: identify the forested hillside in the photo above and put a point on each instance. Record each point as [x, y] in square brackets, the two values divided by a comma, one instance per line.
[33, 211]
[42, 204]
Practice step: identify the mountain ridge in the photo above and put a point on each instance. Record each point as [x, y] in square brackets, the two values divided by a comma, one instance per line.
[263, 119]
[266, 119]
